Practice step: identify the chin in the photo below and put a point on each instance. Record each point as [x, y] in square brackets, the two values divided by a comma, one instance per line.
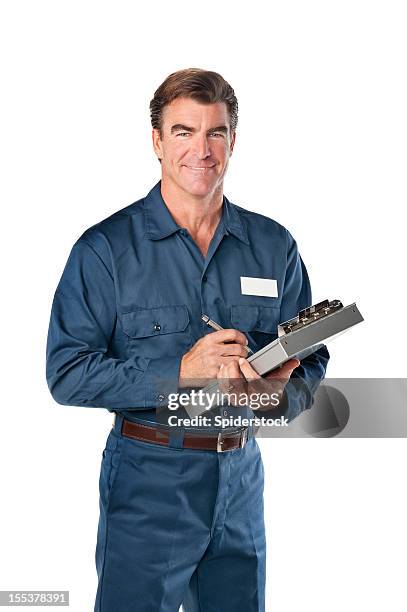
[199, 188]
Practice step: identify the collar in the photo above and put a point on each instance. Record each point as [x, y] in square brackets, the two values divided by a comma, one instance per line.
[159, 222]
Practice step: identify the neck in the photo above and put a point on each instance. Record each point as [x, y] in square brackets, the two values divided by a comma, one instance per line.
[198, 214]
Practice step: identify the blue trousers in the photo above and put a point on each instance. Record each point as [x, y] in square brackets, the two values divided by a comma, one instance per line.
[180, 526]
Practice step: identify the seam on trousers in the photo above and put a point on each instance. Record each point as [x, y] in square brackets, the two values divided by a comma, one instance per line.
[198, 592]
[216, 538]
[214, 516]
[165, 577]
[119, 446]
[256, 551]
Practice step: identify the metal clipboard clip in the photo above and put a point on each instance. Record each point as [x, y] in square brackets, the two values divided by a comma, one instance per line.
[309, 315]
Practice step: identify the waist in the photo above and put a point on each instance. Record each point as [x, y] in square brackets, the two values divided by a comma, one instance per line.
[199, 438]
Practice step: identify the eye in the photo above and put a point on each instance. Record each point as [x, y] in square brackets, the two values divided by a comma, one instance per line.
[216, 134]
[183, 133]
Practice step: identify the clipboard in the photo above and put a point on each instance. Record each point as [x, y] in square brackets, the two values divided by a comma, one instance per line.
[299, 337]
[305, 333]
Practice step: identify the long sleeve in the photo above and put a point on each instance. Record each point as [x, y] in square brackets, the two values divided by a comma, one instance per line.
[300, 390]
[80, 367]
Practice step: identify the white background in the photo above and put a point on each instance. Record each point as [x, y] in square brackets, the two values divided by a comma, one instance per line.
[321, 147]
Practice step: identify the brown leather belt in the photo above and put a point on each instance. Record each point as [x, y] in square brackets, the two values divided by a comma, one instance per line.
[224, 441]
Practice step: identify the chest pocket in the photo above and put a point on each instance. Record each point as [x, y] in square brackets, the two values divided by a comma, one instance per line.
[157, 332]
[258, 323]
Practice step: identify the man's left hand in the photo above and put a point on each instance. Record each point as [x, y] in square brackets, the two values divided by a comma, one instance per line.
[240, 378]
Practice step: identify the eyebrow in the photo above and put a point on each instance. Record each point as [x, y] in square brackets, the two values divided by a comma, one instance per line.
[184, 128]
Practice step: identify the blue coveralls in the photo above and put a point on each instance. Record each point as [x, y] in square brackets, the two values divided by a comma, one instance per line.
[176, 525]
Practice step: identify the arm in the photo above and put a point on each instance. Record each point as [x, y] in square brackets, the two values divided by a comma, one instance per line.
[79, 369]
[305, 379]
[295, 382]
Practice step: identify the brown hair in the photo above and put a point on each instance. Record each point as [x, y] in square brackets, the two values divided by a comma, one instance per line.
[203, 86]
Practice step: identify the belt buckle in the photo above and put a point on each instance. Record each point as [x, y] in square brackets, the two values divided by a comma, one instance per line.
[219, 443]
[242, 441]
[244, 437]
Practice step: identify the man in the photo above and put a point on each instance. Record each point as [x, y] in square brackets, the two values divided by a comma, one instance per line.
[181, 510]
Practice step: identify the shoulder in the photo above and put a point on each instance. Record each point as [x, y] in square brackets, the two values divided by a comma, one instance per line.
[258, 225]
[116, 223]
[258, 220]
[106, 234]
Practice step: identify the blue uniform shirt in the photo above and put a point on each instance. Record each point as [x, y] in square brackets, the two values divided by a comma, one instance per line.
[129, 303]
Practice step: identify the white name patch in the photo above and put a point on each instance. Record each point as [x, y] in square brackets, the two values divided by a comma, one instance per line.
[266, 287]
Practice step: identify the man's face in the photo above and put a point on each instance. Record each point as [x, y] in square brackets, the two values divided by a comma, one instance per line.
[195, 146]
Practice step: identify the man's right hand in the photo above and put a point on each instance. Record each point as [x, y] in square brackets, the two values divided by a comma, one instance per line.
[204, 359]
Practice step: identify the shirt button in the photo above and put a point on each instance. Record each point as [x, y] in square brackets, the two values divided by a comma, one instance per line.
[225, 413]
[157, 327]
[204, 279]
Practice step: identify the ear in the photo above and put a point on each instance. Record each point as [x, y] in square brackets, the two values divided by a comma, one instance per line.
[157, 143]
[232, 142]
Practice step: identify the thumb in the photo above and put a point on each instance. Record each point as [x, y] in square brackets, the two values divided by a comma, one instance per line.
[248, 372]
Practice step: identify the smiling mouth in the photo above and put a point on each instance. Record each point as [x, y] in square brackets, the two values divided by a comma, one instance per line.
[200, 168]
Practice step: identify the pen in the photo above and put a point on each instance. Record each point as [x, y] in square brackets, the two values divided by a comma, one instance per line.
[217, 327]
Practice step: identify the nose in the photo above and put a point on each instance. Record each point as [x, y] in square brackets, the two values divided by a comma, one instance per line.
[202, 146]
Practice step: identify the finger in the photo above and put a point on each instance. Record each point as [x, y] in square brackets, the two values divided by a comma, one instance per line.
[227, 377]
[288, 367]
[233, 350]
[222, 378]
[285, 371]
[221, 373]
[248, 372]
[293, 363]
[232, 383]
[230, 369]
[229, 335]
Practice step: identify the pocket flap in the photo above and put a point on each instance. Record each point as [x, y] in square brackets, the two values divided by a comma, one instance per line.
[145, 322]
[255, 318]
